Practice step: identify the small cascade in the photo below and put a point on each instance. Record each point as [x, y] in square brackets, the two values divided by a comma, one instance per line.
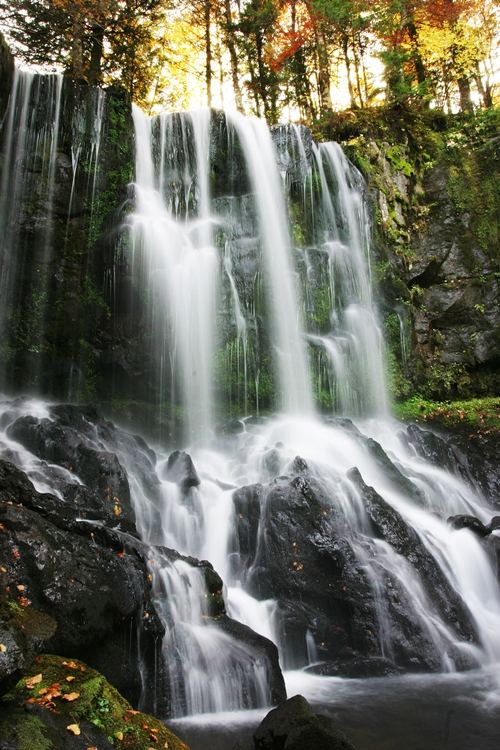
[289, 350]
[173, 247]
[337, 245]
[49, 192]
[30, 143]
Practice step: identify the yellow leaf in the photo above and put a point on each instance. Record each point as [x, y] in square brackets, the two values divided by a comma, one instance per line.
[3, 648]
[70, 678]
[32, 681]
[119, 735]
[74, 729]
[71, 696]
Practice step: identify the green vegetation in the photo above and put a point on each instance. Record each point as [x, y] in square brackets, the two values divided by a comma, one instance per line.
[479, 412]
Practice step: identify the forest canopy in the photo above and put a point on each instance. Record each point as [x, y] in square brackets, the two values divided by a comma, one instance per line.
[274, 58]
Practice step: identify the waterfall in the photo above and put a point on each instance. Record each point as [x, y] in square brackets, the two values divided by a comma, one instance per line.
[44, 150]
[249, 257]
[318, 296]
[172, 237]
[31, 135]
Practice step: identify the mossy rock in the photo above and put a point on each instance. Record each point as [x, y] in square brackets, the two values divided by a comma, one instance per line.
[61, 704]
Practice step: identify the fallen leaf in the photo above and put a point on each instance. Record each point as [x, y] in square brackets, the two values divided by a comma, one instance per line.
[3, 569]
[16, 554]
[71, 696]
[74, 729]
[24, 601]
[32, 681]
[70, 664]
[70, 678]
[132, 711]
[119, 735]
[3, 648]
[20, 587]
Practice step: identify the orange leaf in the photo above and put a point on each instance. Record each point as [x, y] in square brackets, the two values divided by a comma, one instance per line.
[74, 729]
[32, 681]
[71, 696]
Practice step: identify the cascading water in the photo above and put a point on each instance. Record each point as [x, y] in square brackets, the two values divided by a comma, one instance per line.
[42, 147]
[175, 222]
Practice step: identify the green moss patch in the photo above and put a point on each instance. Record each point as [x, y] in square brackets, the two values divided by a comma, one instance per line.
[78, 694]
[483, 413]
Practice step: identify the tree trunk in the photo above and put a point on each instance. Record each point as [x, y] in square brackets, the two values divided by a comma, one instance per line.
[96, 54]
[77, 47]
[231, 46]
[345, 50]
[484, 89]
[208, 53]
[464, 91]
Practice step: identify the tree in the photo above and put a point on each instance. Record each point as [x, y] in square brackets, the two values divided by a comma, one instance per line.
[94, 40]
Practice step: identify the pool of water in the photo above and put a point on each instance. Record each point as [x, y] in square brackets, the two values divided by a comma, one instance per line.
[418, 712]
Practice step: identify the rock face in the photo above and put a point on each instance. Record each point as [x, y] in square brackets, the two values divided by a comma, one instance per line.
[294, 726]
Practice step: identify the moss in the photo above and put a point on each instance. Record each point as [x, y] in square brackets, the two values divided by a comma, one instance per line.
[97, 702]
[483, 413]
[25, 732]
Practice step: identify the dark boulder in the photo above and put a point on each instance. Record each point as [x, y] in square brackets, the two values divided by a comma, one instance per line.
[294, 726]
[391, 527]
[469, 522]
[494, 524]
[285, 548]
[97, 594]
[80, 441]
[356, 666]
[180, 469]
[23, 632]
[470, 453]
[265, 654]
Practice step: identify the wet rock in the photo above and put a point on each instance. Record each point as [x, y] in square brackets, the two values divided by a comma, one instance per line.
[265, 653]
[285, 548]
[472, 454]
[23, 631]
[96, 594]
[80, 441]
[469, 522]
[356, 666]
[391, 527]
[181, 470]
[494, 524]
[293, 725]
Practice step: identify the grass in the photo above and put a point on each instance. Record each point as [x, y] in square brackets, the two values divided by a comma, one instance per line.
[477, 412]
